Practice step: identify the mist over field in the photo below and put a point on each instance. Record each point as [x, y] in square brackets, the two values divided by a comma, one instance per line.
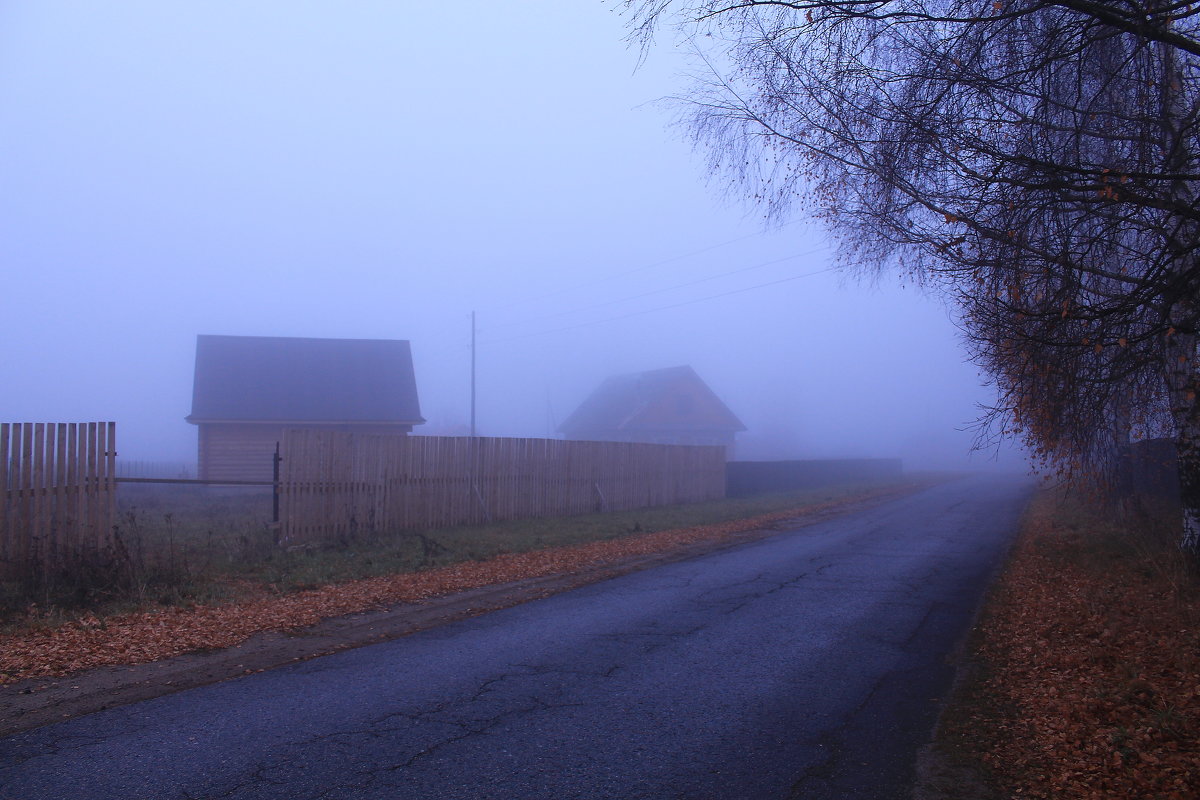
[381, 170]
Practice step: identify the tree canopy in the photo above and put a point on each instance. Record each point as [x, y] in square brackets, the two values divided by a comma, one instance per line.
[1037, 161]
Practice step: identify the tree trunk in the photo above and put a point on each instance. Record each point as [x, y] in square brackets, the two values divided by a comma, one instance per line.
[1182, 388]
[1182, 368]
[1187, 443]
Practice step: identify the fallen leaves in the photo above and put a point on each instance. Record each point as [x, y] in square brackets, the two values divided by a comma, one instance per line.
[137, 638]
[1094, 675]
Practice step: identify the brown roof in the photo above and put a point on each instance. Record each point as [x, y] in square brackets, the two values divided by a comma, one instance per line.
[268, 378]
[672, 399]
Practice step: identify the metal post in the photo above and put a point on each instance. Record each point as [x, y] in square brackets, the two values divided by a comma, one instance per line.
[275, 487]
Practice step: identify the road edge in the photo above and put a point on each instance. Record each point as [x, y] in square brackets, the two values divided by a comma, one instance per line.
[939, 775]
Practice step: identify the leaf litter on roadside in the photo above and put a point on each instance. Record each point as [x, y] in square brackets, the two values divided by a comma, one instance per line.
[146, 636]
[1091, 672]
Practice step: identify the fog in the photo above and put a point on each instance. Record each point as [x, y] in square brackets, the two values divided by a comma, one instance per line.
[382, 170]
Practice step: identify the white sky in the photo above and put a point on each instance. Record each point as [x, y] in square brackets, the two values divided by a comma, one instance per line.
[381, 169]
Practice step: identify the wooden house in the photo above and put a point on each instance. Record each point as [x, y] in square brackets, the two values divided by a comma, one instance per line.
[248, 389]
[663, 406]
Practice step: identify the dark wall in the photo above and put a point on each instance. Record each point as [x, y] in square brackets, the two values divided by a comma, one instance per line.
[759, 477]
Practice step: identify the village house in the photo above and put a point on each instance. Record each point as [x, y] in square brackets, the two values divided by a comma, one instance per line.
[662, 406]
[248, 389]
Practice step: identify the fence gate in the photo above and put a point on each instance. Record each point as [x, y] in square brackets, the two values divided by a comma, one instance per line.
[58, 506]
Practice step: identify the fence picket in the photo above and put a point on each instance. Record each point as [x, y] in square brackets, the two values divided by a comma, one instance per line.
[54, 501]
[335, 484]
[108, 512]
[61, 502]
[25, 487]
[5, 537]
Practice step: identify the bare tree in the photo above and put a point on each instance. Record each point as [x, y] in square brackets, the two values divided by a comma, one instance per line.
[1036, 160]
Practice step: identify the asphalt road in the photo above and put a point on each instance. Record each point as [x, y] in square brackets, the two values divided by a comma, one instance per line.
[806, 665]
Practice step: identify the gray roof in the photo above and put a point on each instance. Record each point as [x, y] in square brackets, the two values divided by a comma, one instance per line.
[268, 378]
[641, 402]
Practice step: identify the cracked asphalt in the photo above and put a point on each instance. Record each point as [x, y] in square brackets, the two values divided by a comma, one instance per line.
[805, 665]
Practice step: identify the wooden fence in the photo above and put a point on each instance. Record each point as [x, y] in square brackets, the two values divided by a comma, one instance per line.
[339, 485]
[58, 504]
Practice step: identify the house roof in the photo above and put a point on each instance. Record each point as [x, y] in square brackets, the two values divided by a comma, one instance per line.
[270, 379]
[671, 399]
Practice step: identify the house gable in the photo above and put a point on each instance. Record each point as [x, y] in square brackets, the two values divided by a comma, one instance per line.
[671, 404]
[683, 403]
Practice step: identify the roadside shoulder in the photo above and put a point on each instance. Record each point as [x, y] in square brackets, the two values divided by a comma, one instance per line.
[1080, 676]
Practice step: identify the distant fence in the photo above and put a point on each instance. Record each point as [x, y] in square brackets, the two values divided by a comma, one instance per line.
[759, 477]
[334, 484]
[156, 469]
[58, 503]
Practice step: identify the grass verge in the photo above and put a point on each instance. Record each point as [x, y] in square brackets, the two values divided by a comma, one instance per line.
[412, 551]
[191, 545]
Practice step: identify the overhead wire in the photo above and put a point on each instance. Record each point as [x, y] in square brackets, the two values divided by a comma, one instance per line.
[660, 308]
[653, 292]
[642, 268]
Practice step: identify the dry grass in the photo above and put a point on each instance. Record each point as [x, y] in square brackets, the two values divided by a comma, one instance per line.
[186, 545]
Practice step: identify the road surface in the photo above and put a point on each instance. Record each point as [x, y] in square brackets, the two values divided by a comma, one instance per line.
[805, 665]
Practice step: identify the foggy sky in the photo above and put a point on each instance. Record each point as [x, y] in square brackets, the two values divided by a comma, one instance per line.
[383, 169]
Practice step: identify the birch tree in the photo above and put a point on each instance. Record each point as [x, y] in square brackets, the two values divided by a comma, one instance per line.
[1037, 161]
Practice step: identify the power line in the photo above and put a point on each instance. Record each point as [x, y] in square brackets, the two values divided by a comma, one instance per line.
[663, 308]
[643, 268]
[652, 292]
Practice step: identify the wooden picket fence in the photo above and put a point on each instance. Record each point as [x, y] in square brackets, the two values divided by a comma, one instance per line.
[335, 485]
[59, 496]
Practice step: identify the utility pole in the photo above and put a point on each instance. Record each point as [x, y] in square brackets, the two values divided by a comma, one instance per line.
[472, 374]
